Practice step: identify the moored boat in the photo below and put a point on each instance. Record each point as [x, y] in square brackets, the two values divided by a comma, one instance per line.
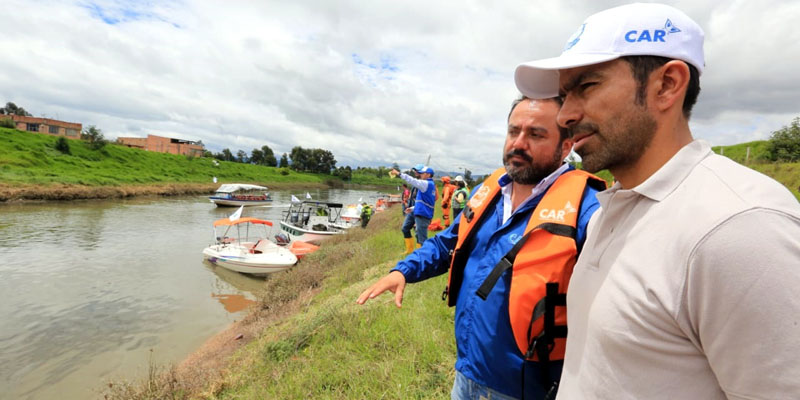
[241, 194]
[312, 221]
[247, 252]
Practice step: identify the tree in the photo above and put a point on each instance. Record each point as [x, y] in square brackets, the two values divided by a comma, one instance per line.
[346, 173]
[784, 144]
[12, 109]
[257, 157]
[284, 161]
[225, 155]
[94, 136]
[322, 161]
[241, 156]
[299, 158]
[314, 160]
[468, 177]
[269, 156]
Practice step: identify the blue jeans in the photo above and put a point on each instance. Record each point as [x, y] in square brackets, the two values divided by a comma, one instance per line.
[467, 389]
[408, 223]
[422, 228]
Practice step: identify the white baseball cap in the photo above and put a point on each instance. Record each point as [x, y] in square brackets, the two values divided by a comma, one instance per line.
[631, 30]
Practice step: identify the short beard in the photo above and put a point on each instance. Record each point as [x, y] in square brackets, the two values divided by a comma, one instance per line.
[621, 143]
[532, 173]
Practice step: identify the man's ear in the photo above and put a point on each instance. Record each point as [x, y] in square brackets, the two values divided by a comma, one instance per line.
[669, 83]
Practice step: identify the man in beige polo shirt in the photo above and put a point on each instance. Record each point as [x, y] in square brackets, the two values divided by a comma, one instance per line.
[688, 286]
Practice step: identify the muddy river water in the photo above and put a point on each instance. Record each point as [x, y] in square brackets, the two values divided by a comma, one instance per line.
[91, 290]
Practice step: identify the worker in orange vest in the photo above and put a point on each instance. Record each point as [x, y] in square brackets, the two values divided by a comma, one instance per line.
[447, 194]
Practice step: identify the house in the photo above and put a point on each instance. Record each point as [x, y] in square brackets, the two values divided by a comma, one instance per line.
[71, 130]
[164, 145]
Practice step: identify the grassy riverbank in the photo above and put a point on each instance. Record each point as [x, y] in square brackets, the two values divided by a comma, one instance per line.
[308, 339]
[32, 168]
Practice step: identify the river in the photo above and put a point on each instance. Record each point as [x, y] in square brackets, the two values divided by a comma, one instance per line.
[91, 290]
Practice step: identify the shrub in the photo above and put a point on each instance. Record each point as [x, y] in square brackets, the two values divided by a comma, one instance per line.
[62, 145]
[8, 123]
[284, 171]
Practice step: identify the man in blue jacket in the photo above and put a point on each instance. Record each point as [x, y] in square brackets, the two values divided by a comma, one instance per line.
[490, 363]
[423, 204]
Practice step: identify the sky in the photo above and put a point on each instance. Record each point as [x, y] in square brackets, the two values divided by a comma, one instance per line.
[375, 82]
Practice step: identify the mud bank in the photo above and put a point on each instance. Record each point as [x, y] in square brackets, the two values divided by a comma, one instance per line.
[81, 192]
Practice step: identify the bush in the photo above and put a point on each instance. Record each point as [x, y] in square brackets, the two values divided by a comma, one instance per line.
[62, 145]
[284, 171]
[8, 123]
[784, 145]
[94, 137]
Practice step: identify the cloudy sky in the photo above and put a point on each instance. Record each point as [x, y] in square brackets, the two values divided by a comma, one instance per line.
[375, 82]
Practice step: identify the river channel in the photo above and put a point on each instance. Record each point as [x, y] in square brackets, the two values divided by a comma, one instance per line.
[91, 290]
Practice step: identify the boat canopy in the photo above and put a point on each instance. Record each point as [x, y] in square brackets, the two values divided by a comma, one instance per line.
[227, 221]
[233, 187]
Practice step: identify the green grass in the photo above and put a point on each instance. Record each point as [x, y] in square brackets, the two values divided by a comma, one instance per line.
[738, 152]
[335, 349]
[32, 159]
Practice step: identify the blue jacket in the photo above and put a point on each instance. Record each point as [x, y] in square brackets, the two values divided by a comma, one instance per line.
[487, 352]
[426, 195]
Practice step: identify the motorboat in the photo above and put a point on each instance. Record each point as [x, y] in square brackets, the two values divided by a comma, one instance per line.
[312, 221]
[300, 249]
[242, 247]
[351, 214]
[241, 194]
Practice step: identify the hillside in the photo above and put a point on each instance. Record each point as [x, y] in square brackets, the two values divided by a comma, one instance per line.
[786, 173]
[738, 152]
[28, 159]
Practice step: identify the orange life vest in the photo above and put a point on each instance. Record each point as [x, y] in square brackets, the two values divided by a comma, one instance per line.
[541, 262]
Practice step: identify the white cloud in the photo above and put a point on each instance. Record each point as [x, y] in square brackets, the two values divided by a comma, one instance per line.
[374, 82]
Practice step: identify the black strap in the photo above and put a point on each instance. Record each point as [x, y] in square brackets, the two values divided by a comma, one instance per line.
[468, 213]
[508, 260]
[543, 343]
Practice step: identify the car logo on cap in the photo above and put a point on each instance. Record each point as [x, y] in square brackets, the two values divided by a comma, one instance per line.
[670, 28]
[575, 38]
[655, 35]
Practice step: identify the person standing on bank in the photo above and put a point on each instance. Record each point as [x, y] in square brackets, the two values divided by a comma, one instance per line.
[422, 209]
[687, 285]
[447, 195]
[408, 221]
[460, 196]
[515, 242]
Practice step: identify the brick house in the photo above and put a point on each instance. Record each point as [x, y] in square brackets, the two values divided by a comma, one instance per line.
[49, 126]
[164, 145]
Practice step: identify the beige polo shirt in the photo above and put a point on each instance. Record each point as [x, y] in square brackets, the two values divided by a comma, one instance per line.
[688, 287]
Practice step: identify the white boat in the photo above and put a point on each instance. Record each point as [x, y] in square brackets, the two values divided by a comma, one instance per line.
[352, 214]
[313, 221]
[246, 250]
[241, 194]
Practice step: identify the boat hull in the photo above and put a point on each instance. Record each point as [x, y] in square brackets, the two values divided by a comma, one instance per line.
[220, 202]
[306, 235]
[240, 259]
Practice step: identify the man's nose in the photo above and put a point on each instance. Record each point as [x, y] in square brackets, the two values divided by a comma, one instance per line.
[520, 142]
[569, 114]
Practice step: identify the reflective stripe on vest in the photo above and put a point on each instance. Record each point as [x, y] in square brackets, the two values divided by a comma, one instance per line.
[546, 254]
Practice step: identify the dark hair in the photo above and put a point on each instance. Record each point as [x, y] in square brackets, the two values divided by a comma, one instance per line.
[564, 132]
[642, 66]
